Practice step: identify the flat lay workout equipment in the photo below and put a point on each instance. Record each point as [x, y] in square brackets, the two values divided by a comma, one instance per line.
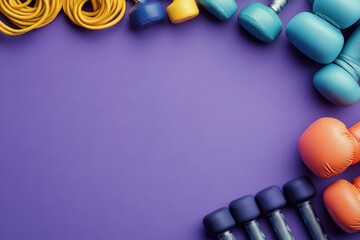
[328, 147]
[182, 10]
[342, 200]
[262, 21]
[105, 14]
[222, 9]
[245, 212]
[145, 13]
[318, 35]
[298, 193]
[338, 81]
[219, 224]
[27, 16]
[270, 201]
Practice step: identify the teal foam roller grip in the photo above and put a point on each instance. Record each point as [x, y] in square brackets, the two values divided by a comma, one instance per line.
[315, 37]
[222, 9]
[341, 13]
[338, 82]
[260, 21]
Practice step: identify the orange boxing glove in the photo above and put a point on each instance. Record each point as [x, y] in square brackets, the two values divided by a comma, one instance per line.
[342, 200]
[328, 148]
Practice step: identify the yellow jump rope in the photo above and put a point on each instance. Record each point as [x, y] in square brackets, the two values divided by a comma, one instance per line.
[28, 15]
[31, 14]
[106, 13]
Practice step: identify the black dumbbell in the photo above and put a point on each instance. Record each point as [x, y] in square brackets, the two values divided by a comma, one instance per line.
[270, 201]
[298, 192]
[219, 224]
[245, 212]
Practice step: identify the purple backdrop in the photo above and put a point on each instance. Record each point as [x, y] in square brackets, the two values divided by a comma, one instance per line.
[118, 134]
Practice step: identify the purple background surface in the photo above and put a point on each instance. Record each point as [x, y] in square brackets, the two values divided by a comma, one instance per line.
[118, 134]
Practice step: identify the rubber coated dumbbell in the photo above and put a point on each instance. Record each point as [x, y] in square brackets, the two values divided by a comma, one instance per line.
[270, 201]
[222, 9]
[182, 10]
[262, 21]
[245, 212]
[145, 13]
[342, 200]
[338, 81]
[298, 192]
[318, 34]
[219, 224]
[328, 147]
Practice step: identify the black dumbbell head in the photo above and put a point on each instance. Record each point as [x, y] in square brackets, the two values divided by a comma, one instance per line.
[219, 221]
[299, 190]
[244, 209]
[270, 199]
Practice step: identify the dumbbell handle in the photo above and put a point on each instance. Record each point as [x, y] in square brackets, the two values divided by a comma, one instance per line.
[226, 236]
[254, 231]
[280, 226]
[311, 221]
[277, 5]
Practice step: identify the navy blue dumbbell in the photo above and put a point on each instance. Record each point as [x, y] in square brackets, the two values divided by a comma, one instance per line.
[145, 13]
[245, 212]
[298, 192]
[270, 201]
[219, 224]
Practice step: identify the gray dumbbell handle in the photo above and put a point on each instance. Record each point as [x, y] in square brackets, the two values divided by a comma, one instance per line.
[280, 226]
[311, 221]
[226, 236]
[253, 230]
[277, 5]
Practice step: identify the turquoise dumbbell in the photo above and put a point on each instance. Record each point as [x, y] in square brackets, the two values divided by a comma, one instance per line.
[338, 81]
[262, 21]
[222, 9]
[318, 34]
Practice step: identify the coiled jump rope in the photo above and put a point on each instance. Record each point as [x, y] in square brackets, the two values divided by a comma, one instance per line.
[28, 15]
[106, 13]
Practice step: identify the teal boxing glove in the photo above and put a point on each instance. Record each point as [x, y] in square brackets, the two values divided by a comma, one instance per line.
[262, 21]
[318, 35]
[338, 81]
[222, 9]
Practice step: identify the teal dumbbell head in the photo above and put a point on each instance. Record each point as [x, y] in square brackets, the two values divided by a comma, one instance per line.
[262, 21]
[318, 34]
[338, 81]
[222, 9]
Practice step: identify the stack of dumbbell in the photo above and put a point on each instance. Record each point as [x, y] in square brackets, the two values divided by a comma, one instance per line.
[246, 210]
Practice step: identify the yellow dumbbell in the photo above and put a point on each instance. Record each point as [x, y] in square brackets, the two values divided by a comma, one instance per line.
[182, 10]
